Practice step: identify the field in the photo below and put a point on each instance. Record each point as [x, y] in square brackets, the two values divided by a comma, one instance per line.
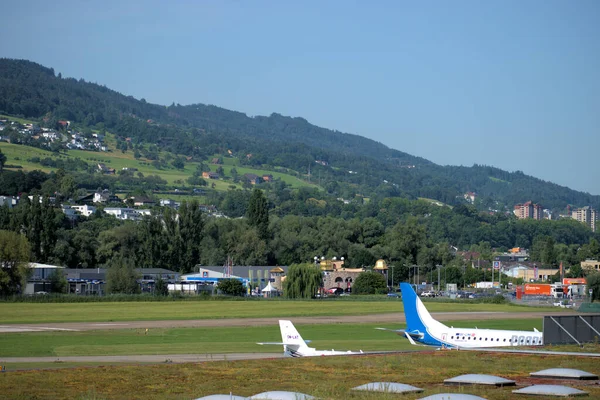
[22, 313]
[324, 377]
[18, 155]
[218, 340]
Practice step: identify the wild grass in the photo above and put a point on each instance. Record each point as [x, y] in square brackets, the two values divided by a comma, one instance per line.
[323, 377]
[21, 313]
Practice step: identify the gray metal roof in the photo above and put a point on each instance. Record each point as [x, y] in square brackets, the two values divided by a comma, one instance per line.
[479, 379]
[243, 271]
[564, 373]
[388, 387]
[551, 390]
[281, 395]
[452, 396]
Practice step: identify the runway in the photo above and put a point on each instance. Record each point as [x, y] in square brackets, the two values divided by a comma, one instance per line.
[390, 318]
[136, 359]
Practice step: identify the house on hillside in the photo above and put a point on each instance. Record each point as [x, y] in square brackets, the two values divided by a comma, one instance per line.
[105, 197]
[105, 170]
[141, 201]
[210, 175]
[253, 178]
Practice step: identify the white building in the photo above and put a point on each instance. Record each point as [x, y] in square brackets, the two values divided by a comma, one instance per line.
[84, 210]
[122, 213]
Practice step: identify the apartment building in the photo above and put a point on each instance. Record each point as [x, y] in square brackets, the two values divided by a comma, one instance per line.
[529, 210]
[586, 215]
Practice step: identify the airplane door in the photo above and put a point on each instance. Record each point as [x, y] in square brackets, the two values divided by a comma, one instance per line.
[444, 335]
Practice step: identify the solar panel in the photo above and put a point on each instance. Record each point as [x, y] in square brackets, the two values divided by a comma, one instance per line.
[551, 390]
[479, 379]
[564, 373]
[388, 387]
[281, 395]
[452, 396]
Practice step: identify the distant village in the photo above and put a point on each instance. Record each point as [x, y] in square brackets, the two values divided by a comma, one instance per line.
[64, 137]
[137, 206]
[529, 210]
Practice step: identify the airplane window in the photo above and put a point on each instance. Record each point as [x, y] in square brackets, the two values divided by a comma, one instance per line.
[504, 340]
[497, 339]
[479, 338]
[451, 337]
[486, 339]
[469, 337]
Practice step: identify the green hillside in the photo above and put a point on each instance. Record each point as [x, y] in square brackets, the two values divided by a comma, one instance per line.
[344, 164]
[19, 157]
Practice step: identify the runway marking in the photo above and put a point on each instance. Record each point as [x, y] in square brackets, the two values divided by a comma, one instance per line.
[16, 329]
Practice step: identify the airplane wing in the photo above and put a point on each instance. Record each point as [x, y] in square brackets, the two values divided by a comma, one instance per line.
[403, 332]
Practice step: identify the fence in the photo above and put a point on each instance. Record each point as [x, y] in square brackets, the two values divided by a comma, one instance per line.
[571, 329]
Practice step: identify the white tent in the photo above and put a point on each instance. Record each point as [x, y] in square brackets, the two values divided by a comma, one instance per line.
[269, 290]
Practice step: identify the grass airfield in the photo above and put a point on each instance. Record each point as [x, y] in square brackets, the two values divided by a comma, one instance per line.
[27, 313]
[324, 377]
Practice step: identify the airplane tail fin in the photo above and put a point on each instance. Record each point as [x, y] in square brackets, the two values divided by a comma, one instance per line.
[290, 336]
[417, 317]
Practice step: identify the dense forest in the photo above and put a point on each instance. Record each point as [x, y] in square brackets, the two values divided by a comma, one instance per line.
[32, 91]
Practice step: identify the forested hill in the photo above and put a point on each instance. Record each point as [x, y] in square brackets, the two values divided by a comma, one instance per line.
[33, 91]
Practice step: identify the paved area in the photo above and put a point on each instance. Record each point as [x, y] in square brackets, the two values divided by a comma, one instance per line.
[134, 359]
[390, 318]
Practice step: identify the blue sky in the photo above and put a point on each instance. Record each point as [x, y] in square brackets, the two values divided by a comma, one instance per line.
[514, 84]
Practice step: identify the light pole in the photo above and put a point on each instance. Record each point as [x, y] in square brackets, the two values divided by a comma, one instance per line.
[438, 268]
[392, 277]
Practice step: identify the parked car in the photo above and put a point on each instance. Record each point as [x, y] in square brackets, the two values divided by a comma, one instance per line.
[428, 293]
[392, 295]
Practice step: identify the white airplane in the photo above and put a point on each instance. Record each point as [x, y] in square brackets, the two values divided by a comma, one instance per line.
[422, 328]
[295, 346]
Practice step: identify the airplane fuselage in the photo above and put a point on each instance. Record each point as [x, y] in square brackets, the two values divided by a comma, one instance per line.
[473, 338]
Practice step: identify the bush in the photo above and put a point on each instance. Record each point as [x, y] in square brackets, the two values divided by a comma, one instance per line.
[369, 283]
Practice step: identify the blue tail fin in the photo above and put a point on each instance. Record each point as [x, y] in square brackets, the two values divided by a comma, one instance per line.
[409, 300]
[417, 317]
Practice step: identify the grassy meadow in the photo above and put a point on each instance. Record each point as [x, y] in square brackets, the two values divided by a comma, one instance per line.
[22, 313]
[324, 377]
[18, 155]
[219, 340]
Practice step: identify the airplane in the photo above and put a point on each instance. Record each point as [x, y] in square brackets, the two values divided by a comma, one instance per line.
[295, 346]
[423, 329]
